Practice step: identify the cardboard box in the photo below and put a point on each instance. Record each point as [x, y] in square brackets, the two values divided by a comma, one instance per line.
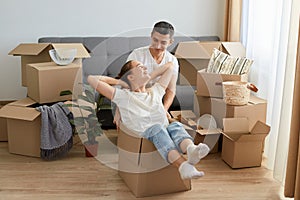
[187, 117]
[208, 136]
[39, 52]
[142, 168]
[47, 80]
[241, 148]
[195, 55]
[202, 105]
[23, 127]
[210, 84]
[3, 130]
[255, 110]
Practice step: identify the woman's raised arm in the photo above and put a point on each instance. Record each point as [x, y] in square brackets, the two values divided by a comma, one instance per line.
[165, 72]
[103, 85]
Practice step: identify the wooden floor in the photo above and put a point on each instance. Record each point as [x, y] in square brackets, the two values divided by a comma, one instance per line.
[78, 177]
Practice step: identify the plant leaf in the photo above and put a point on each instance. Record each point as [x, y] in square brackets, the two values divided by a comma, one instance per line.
[80, 96]
[81, 130]
[90, 95]
[87, 108]
[79, 121]
[70, 105]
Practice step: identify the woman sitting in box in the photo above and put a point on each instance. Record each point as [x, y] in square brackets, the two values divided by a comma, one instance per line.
[142, 111]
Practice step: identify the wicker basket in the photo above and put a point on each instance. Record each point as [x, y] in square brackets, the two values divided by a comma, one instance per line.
[237, 92]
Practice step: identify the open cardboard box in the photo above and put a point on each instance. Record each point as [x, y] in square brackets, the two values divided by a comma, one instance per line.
[47, 81]
[241, 147]
[255, 110]
[187, 117]
[142, 168]
[208, 136]
[23, 127]
[39, 52]
[195, 55]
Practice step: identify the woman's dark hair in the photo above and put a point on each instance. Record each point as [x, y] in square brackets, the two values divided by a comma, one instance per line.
[125, 71]
[164, 28]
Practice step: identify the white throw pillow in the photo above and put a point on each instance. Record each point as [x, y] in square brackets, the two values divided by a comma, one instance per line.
[223, 63]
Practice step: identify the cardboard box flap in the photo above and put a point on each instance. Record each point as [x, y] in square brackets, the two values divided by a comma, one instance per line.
[210, 46]
[81, 50]
[236, 125]
[29, 49]
[212, 131]
[187, 114]
[19, 112]
[195, 50]
[234, 48]
[260, 128]
[23, 102]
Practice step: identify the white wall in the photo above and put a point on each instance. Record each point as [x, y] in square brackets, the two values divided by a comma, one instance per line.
[26, 21]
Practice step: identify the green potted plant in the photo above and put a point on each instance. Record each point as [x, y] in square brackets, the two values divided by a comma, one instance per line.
[85, 119]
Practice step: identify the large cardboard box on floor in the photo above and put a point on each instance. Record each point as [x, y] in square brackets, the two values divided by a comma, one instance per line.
[210, 84]
[3, 129]
[39, 52]
[47, 81]
[195, 55]
[243, 147]
[142, 168]
[23, 127]
[255, 110]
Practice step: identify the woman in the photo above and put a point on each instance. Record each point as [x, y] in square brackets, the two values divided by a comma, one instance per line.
[142, 111]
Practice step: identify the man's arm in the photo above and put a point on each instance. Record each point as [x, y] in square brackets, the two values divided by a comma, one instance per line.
[165, 72]
[170, 93]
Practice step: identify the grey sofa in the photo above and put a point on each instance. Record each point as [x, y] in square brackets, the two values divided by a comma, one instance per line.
[108, 54]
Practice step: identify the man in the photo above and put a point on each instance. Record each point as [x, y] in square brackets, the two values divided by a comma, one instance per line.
[156, 55]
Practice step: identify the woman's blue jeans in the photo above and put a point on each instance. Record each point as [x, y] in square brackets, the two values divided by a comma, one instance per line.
[166, 139]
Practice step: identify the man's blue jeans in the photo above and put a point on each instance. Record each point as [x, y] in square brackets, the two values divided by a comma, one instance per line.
[166, 139]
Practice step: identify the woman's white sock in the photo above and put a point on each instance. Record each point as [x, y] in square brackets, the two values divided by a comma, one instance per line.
[188, 171]
[196, 152]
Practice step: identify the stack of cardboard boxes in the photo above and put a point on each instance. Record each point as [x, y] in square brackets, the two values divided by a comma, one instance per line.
[46, 83]
[239, 142]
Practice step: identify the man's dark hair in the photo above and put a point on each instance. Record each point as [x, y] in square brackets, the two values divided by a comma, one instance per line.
[164, 28]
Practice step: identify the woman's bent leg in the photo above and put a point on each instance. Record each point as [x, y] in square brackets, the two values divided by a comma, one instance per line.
[159, 136]
[184, 142]
[179, 135]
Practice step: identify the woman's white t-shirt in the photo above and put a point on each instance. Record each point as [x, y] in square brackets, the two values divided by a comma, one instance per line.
[138, 110]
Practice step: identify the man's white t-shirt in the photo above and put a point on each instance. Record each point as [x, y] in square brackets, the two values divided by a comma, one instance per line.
[139, 111]
[144, 56]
